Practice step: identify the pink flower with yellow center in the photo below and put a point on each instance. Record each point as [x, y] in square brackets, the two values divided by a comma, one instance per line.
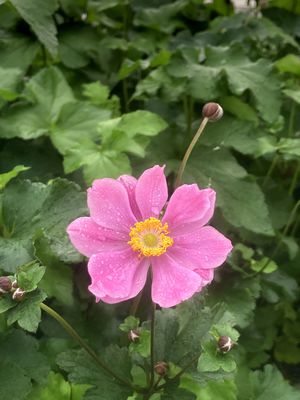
[127, 232]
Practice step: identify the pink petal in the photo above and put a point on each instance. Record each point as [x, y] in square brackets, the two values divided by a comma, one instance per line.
[172, 283]
[207, 276]
[189, 207]
[89, 238]
[129, 182]
[151, 192]
[202, 248]
[109, 205]
[118, 275]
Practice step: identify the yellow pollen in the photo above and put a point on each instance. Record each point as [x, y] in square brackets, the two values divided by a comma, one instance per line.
[150, 237]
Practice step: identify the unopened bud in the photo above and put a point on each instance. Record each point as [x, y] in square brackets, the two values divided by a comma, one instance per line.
[14, 285]
[133, 335]
[5, 284]
[212, 111]
[18, 294]
[161, 368]
[225, 344]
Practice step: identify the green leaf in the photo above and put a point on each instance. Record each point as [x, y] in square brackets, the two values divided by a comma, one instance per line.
[6, 303]
[8, 176]
[57, 281]
[29, 207]
[13, 381]
[212, 359]
[76, 53]
[56, 388]
[289, 63]
[82, 370]
[292, 94]
[17, 51]
[9, 80]
[76, 121]
[28, 312]
[265, 385]
[174, 392]
[268, 266]
[47, 92]
[142, 344]
[240, 135]
[22, 351]
[96, 162]
[38, 15]
[129, 324]
[240, 198]
[218, 390]
[29, 275]
[239, 108]
[241, 75]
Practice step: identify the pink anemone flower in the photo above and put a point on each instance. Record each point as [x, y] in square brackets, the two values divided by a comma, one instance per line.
[128, 231]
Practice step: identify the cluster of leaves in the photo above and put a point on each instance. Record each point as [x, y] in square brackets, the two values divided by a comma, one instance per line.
[94, 88]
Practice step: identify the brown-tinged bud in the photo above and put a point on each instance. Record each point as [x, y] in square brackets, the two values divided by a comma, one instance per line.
[14, 285]
[225, 344]
[161, 368]
[18, 294]
[5, 284]
[212, 111]
[133, 335]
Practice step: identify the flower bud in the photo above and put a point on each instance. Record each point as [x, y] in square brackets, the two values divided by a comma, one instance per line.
[133, 335]
[212, 111]
[18, 294]
[5, 284]
[225, 344]
[161, 368]
[14, 285]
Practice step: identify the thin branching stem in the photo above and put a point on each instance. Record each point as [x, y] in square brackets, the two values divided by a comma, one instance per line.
[285, 231]
[71, 331]
[153, 308]
[189, 151]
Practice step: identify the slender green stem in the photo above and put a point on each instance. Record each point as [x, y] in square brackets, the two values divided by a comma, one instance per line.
[153, 308]
[189, 151]
[135, 304]
[68, 328]
[125, 95]
[285, 231]
[292, 119]
[271, 169]
[189, 364]
[294, 179]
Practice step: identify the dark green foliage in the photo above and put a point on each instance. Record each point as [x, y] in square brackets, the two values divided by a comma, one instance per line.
[92, 89]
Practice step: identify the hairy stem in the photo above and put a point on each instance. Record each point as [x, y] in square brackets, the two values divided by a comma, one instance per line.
[71, 331]
[271, 169]
[285, 231]
[152, 345]
[189, 151]
[294, 179]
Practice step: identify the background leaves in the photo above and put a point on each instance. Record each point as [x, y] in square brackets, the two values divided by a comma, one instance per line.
[91, 89]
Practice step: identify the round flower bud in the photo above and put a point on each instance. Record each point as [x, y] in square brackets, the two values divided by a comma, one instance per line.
[133, 335]
[212, 111]
[14, 285]
[225, 344]
[161, 368]
[5, 284]
[18, 294]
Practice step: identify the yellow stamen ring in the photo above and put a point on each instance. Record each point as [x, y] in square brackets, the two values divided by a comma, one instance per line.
[150, 237]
